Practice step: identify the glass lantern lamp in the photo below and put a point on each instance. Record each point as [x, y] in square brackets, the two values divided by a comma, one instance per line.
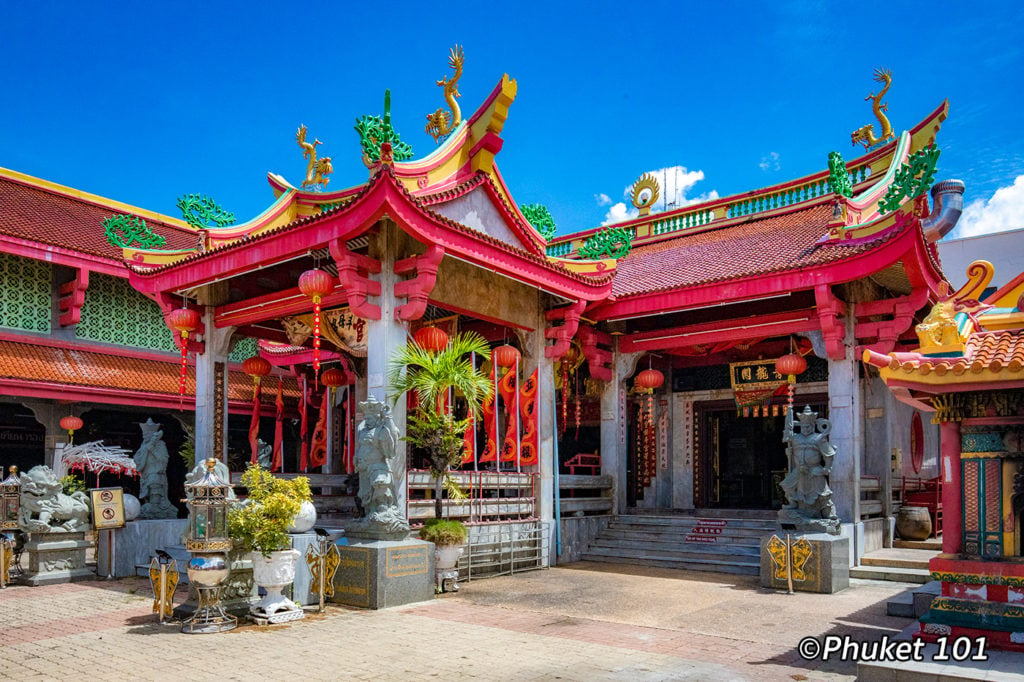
[10, 508]
[209, 543]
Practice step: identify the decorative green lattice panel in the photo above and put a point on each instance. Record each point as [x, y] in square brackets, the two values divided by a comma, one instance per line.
[115, 313]
[24, 293]
[244, 348]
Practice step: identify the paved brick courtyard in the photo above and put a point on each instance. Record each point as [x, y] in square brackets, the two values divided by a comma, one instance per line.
[582, 622]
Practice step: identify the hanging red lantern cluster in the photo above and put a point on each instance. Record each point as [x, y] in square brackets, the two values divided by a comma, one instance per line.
[791, 365]
[431, 339]
[256, 367]
[71, 423]
[185, 321]
[647, 382]
[568, 364]
[316, 284]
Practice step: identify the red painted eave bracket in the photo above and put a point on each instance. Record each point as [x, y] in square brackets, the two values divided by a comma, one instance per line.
[417, 289]
[72, 296]
[598, 359]
[563, 335]
[353, 273]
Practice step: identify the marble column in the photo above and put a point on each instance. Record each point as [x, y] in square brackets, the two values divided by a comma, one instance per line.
[49, 415]
[613, 426]
[534, 358]
[384, 337]
[847, 437]
[218, 345]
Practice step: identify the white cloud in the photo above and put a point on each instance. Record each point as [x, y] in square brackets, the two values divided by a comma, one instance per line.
[770, 162]
[603, 199]
[1003, 211]
[675, 182]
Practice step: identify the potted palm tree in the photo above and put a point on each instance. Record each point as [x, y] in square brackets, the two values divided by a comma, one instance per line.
[260, 525]
[435, 429]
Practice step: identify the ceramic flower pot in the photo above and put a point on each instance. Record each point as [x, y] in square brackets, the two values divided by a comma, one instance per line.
[273, 574]
[445, 559]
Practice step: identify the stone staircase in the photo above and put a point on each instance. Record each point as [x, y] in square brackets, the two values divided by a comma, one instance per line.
[897, 564]
[724, 541]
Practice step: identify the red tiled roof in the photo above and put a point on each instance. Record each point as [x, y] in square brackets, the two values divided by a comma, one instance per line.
[41, 215]
[89, 369]
[383, 171]
[776, 244]
[992, 351]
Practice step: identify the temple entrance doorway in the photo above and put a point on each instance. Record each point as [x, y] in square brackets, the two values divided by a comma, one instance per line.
[741, 458]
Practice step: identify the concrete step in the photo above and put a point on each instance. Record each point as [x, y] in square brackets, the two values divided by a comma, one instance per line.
[691, 564]
[932, 544]
[915, 602]
[896, 575]
[691, 520]
[721, 552]
[652, 534]
[763, 514]
[899, 558]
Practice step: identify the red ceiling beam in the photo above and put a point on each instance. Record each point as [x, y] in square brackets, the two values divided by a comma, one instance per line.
[760, 326]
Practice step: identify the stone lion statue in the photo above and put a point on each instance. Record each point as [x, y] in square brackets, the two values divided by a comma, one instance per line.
[45, 509]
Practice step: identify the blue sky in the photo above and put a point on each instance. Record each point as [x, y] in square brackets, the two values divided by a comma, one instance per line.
[146, 103]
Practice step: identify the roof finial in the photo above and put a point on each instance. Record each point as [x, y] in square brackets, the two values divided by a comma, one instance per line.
[441, 122]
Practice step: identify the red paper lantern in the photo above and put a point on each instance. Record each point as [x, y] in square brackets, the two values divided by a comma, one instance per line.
[184, 321]
[256, 367]
[648, 380]
[71, 423]
[506, 356]
[432, 339]
[316, 283]
[791, 365]
[333, 378]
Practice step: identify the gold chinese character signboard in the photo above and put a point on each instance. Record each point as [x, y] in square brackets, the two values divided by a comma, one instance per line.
[107, 508]
[754, 382]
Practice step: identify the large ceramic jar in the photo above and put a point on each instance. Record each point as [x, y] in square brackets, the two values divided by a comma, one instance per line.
[914, 523]
[305, 519]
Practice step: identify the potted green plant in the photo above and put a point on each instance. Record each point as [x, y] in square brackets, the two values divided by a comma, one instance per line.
[260, 525]
[430, 375]
[448, 536]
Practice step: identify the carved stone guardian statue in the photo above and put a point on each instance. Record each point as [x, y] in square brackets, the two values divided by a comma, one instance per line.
[809, 506]
[376, 440]
[151, 461]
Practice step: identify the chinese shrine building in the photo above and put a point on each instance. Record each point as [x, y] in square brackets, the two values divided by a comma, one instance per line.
[647, 348]
[968, 372]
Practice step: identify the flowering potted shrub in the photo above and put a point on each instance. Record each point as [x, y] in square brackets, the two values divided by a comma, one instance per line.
[260, 525]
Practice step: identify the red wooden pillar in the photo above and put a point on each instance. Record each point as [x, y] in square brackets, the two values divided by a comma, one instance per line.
[952, 493]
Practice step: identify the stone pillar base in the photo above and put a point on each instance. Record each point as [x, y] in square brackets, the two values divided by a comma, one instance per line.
[379, 574]
[825, 570]
[56, 558]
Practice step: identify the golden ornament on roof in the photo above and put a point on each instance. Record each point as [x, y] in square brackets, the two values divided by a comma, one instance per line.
[441, 122]
[646, 191]
[317, 170]
[866, 134]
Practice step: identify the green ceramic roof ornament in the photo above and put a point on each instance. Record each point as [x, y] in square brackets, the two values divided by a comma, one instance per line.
[541, 219]
[126, 230]
[202, 211]
[374, 130]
